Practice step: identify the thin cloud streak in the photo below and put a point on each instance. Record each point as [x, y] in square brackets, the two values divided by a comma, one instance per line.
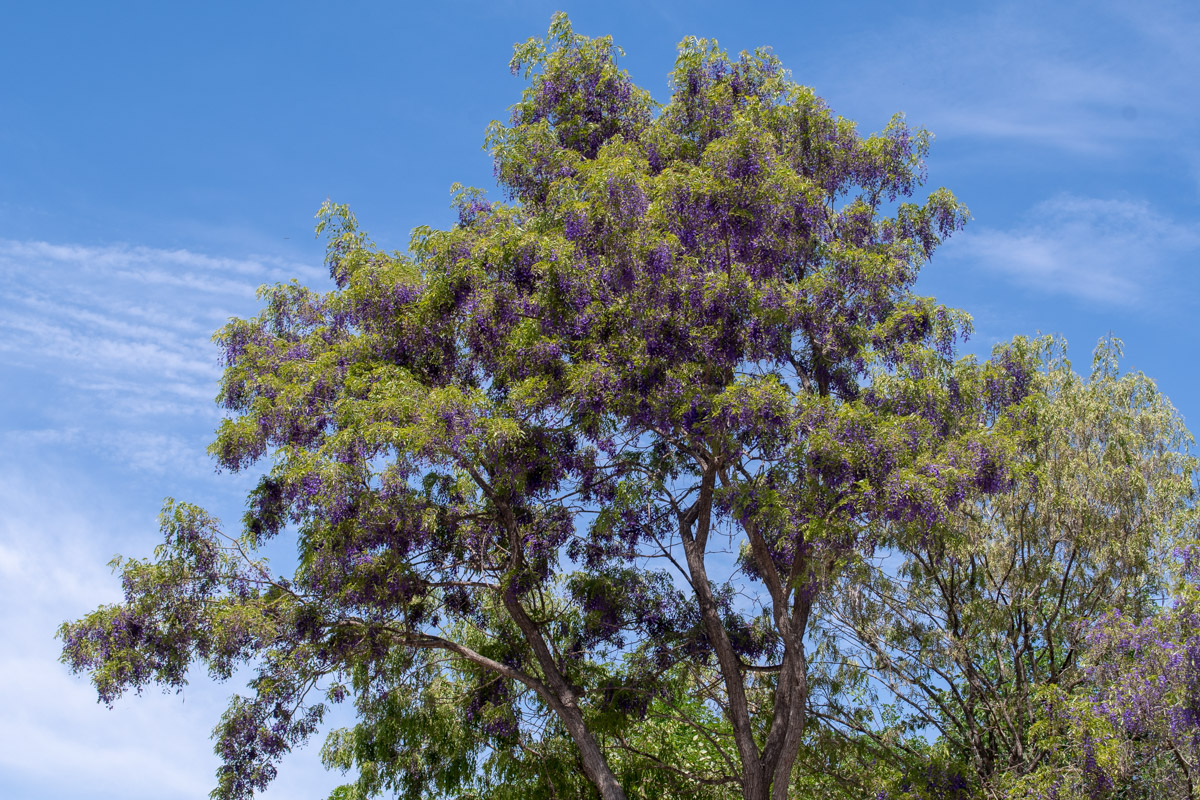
[1021, 72]
[147, 263]
[102, 345]
[1117, 252]
[34, 340]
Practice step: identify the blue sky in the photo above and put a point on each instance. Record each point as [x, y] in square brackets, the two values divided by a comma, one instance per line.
[158, 161]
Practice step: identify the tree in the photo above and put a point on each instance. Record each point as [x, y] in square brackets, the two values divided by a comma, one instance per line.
[1140, 715]
[976, 632]
[1130, 728]
[591, 448]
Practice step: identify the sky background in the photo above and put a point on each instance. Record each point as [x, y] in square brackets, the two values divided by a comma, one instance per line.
[158, 161]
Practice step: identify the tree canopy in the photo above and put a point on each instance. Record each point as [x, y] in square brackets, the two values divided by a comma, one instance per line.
[569, 480]
[977, 633]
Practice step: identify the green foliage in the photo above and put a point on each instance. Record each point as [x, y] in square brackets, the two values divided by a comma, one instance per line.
[980, 632]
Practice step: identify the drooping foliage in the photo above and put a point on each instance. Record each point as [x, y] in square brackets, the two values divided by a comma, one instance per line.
[1143, 681]
[1130, 727]
[583, 463]
[1012, 636]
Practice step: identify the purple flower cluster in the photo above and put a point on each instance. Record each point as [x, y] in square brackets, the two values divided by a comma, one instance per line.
[1144, 677]
[255, 733]
[932, 781]
[490, 707]
[581, 96]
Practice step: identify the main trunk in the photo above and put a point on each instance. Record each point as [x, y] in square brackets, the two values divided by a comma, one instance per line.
[557, 691]
[595, 766]
[766, 772]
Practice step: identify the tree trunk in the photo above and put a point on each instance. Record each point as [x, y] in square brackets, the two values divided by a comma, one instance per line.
[766, 773]
[562, 699]
[595, 766]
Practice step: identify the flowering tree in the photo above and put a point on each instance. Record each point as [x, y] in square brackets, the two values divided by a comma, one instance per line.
[1144, 689]
[1130, 728]
[984, 629]
[588, 458]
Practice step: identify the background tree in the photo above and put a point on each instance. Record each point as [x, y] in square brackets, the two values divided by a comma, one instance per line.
[973, 633]
[1135, 731]
[604, 438]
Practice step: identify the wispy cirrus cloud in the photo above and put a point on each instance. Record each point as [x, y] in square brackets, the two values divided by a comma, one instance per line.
[105, 348]
[1034, 74]
[1114, 251]
[153, 264]
[110, 374]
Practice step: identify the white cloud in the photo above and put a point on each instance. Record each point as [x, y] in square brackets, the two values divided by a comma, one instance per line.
[106, 356]
[1119, 252]
[55, 736]
[107, 344]
[1034, 74]
[156, 265]
[101, 346]
[52, 566]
